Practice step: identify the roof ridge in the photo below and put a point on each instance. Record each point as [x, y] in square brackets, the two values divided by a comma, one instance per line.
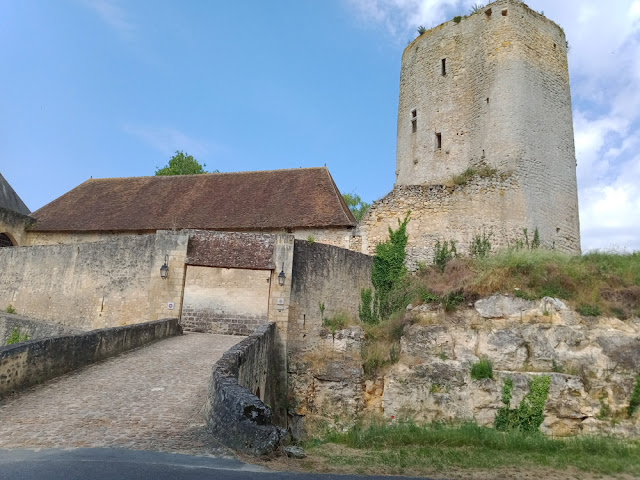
[244, 172]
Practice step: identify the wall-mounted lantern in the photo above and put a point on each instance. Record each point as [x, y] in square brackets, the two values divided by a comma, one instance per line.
[281, 277]
[164, 269]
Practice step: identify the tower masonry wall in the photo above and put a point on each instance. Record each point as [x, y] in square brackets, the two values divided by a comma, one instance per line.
[490, 90]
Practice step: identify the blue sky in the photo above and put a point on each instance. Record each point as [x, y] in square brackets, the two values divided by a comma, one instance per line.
[111, 88]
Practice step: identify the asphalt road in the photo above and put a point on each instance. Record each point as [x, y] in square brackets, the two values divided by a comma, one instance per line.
[120, 464]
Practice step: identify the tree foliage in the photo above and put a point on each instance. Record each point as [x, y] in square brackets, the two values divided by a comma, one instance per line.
[182, 164]
[356, 205]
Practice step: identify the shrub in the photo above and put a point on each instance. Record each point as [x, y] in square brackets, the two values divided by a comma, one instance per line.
[476, 8]
[482, 369]
[388, 267]
[14, 337]
[10, 309]
[366, 309]
[457, 19]
[335, 323]
[589, 310]
[443, 252]
[310, 239]
[481, 245]
[421, 30]
[634, 403]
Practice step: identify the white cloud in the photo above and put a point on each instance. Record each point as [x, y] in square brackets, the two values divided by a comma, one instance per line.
[113, 15]
[605, 72]
[167, 140]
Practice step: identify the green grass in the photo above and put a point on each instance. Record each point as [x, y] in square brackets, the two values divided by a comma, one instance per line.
[598, 283]
[396, 448]
[469, 173]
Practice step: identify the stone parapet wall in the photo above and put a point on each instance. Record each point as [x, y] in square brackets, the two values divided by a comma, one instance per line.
[28, 363]
[245, 381]
[34, 329]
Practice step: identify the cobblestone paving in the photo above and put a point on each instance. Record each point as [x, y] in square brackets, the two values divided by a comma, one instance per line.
[147, 399]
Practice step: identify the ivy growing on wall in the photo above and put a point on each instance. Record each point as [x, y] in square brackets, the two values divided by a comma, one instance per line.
[530, 413]
[387, 273]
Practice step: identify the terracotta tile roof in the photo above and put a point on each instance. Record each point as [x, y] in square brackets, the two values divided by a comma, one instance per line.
[273, 199]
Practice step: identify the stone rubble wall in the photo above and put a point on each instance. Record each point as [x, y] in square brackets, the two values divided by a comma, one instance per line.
[244, 395]
[28, 363]
[492, 205]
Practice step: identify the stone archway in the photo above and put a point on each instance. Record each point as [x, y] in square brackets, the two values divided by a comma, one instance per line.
[6, 240]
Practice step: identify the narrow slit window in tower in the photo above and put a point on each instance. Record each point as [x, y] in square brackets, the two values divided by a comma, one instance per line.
[414, 120]
[504, 13]
[488, 13]
[438, 141]
[487, 100]
[444, 66]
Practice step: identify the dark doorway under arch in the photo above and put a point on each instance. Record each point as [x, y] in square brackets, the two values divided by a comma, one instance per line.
[5, 241]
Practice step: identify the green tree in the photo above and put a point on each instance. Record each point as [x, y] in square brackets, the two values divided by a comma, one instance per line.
[182, 164]
[356, 205]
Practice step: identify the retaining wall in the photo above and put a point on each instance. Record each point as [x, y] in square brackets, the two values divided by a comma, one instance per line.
[28, 363]
[244, 383]
[35, 329]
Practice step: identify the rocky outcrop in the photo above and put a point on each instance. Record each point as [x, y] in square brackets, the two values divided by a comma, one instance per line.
[592, 363]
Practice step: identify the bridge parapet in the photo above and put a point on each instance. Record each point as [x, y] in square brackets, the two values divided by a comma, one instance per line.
[242, 409]
[28, 363]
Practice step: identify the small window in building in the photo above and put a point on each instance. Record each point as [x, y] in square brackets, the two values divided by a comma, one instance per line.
[438, 141]
[488, 13]
[444, 66]
[414, 120]
[487, 99]
[504, 13]
[554, 45]
[558, 230]
[482, 153]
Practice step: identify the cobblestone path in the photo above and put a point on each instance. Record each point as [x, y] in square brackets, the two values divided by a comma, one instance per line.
[147, 399]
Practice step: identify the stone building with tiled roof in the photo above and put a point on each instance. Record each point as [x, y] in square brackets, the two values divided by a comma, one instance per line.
[304, 202]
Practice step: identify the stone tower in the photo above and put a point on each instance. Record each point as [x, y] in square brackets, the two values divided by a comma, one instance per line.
[487, 90]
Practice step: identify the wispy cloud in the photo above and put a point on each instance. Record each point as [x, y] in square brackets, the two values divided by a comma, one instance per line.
[167, 140]
[114, 15]
[605, 72]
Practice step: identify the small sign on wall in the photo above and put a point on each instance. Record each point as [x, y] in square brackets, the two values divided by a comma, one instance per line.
[170, 305]
[281, 301]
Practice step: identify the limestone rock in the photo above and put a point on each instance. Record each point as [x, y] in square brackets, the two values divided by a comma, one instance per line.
[294, 452]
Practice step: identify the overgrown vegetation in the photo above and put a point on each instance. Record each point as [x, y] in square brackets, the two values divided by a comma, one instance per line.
[457, 19]
[15, 337]
[405, 448]
[10, 309]
[443, 252]
[421, 30]
[335, 323]
[476, 8]
[605, 283]
[481, 245]
[634, 402]
[482, 369]
[529, 415]
[464, 178]
[387, 273]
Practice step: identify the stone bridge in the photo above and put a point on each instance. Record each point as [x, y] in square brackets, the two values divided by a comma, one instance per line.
[150, 398]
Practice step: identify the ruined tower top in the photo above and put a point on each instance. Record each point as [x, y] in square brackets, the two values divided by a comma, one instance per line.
[488, 89]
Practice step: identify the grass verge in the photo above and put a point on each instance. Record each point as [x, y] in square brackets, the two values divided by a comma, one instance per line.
[405, 448]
